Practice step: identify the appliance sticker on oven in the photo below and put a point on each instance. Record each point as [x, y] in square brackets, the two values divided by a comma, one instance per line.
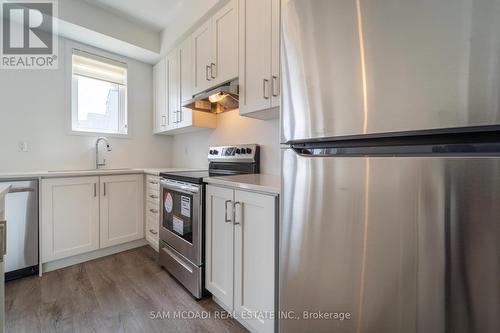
[169, 203]
[178, 225]
[186, 206]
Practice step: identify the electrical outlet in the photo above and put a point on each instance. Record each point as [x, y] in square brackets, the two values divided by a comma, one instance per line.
[23, 147]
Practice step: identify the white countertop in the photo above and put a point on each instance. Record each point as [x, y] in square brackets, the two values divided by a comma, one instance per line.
[79, 173]
[255, 182]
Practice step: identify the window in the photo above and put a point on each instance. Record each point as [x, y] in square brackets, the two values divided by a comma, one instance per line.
[99, 94]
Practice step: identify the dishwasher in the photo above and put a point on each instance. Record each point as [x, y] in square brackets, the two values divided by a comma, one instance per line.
[21, 213]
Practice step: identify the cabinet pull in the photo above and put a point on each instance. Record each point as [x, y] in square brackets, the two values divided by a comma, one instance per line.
[238, 204]
[275, 86]
[163, 121]
[95, 190]
[153, 182]
[154, 211]
[225, 206]
[104, 192]
[3, 235]
[206, 73]
[153, 231]
[212, 66]
[265, 82]
[152, 196]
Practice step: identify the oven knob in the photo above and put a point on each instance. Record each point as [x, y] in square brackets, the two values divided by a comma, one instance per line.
[216, 152]
[238, 151]
[211, 152]
[243, 150]
[249, 151]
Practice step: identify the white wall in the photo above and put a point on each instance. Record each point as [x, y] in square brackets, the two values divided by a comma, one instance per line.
[190, 149]
[34, 105]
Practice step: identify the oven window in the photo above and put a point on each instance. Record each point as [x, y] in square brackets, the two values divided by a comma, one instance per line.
[178, 214]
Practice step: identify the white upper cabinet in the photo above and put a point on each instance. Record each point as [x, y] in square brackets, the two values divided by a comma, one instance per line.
[178, 88]
[224, 66]
[259, 58]
[160, 96]
[121, 209]
[202, 57]
[215, 49]
[173, 88]
[69, 217]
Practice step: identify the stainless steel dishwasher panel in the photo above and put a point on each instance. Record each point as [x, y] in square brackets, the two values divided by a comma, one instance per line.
[21, 212]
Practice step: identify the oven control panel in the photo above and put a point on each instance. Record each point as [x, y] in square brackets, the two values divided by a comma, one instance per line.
[237, 152]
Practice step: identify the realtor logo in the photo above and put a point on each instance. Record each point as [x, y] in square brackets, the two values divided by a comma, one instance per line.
[28, 34]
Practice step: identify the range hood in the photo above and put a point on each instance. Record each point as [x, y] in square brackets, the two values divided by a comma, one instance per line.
[220, 99]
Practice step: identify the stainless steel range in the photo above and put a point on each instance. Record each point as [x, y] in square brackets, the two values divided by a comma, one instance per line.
[182, 212]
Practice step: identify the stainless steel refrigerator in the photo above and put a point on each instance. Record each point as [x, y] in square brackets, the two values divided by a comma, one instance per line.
[390, 166]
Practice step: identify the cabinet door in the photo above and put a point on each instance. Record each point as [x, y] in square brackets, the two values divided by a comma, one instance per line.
[69, 217]
[255, 55]
[122, 209]
[160, 96]
[202, 57]
[254, 256]
[224, 65]
[275, 52]
[186, 81]
[219, 244]
[173, 89]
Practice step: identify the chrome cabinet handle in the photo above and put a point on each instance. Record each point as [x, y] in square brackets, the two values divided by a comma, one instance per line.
[153, 182]
[163, 120]
[104, 192]
[238, 204]
[275, 86]
[212, 66]
[154, 211]
[225, 215]
[180, 116]
[95, 190]
[3, 236]
[152, 196]
[206, 73]
[154, 232]
[265, 82]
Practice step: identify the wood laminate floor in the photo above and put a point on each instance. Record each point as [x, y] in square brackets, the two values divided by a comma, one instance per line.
[110, 294]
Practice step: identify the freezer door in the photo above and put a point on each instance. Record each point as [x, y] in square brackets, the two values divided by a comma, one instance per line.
[371, 67]
[396, 244]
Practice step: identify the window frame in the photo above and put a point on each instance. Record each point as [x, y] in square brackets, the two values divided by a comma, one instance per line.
[73, 95]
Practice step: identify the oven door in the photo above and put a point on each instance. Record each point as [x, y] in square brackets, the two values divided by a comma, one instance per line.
[181, 218]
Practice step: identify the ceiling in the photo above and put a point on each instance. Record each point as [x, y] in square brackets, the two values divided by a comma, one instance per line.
[155, 14]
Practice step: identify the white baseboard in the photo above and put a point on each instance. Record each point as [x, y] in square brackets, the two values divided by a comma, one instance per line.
[61, 263]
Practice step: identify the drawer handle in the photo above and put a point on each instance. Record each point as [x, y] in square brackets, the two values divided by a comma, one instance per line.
[265, 82]
[153, 196]
[153, 231]
[154, 211]
[154, 183]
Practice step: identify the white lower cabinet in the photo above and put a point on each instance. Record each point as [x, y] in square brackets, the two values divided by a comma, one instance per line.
[153, 211]
[70, 217]
[121, 210]
[83, 214]
[240, 254]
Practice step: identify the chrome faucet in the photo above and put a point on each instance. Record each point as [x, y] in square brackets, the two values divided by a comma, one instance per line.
[108, 147]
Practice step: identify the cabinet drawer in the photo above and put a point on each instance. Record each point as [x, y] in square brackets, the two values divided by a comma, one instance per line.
[153, 183]
[152, 227]
[153, 210]
[153, 196]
